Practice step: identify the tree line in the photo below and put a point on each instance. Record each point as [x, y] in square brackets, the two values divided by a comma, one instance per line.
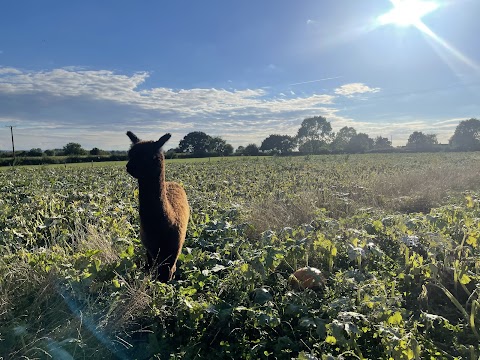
[70, 149]
[315, 136]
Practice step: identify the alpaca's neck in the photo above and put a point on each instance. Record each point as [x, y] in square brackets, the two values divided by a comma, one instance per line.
[153, 195]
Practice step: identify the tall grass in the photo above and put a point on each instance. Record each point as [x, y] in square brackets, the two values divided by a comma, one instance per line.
[405, 189]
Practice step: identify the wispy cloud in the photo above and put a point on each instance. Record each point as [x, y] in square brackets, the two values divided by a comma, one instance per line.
[314, 81]
[450, 122]
[75, 100]
[8, 70]
[123, 89]
[349, 90]
[96, 107]
[272, 68]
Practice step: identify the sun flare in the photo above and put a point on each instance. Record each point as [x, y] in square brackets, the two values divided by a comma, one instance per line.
[408, 12]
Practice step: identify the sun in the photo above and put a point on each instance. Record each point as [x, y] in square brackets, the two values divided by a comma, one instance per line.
[407, 13]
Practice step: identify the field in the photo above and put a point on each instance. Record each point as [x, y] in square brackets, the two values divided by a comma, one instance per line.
[396, 236]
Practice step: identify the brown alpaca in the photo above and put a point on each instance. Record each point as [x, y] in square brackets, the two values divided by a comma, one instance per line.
[164, 207]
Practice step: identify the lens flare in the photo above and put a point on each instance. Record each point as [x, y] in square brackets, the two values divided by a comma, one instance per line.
[407, 12]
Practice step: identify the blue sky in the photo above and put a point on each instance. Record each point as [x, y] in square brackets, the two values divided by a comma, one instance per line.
[88, 71]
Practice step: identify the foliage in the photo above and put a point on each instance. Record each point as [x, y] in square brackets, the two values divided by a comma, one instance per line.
[199, 143]
[314, 147]
[467, 135]
[220, 147]
[240, 150]
[42, 160]
[420, 141]
[35, 152]
[382, 143]
[315, 128]
[251, 150]
[278, 143]
[97, 151]
[342, 138]
[74, 149]
[195, 142]
[359, 143]
[398, 285]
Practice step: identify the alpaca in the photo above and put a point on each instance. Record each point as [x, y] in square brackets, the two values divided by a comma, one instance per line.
[164, 209]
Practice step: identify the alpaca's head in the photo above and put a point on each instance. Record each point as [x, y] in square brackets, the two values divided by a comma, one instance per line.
[145, 157]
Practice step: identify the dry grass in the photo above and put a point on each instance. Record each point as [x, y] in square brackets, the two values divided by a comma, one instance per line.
[32, 312]
[273, 213]
[417, 190]
[134, 299]
[41, 318]
[131, 306]
[421, 190]
[88, 237]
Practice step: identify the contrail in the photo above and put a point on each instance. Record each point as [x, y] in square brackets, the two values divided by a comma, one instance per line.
[312, 81]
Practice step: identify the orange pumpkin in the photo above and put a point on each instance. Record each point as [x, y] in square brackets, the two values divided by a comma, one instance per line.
[307, 278]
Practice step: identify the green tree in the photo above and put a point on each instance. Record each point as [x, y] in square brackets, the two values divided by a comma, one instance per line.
[342, 138]
[73, 149]
[35, 152]
[315, 128]
[49, 152]
[171, 154]
[251, 150]
[467, 135]
[240, 150]
[420, 141]
[359, 143]
[278, 143]
[314, 147]
[97, 151]
[382, 143]
[219, 146]
[196, 142]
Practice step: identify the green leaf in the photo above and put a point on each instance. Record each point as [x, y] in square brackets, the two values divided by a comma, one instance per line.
[395, 319]
[465, 279]
[469, 200]
[377, 225]
[472, 240]
[307, 322]
[330, 340]
[244, 268]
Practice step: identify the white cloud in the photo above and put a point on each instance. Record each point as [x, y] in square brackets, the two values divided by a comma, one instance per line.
[349, 90]
[73, 102]
[8, 70]
[273, 68]
[96, 107]
[450, 123]
[123, 89]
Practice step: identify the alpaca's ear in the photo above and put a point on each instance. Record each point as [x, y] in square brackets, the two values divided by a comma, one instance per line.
[133, 137]
[160, 142]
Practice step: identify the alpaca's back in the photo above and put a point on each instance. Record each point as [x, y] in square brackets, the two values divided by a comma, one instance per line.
[178, 200]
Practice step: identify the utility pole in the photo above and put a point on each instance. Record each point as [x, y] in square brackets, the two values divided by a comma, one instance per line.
[13, 144]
